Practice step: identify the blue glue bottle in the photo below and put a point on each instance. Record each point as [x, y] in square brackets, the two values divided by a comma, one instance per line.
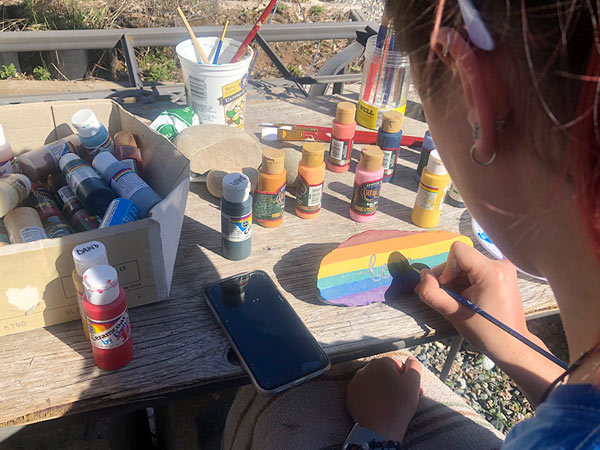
[388, 139]
[120, 211]
[86, 184]
[125, 182]
[93, 135]
[236, 217]
[426, 149]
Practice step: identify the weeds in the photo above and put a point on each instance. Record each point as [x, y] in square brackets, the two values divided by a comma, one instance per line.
[41, 73]
[316, 11]
[295, 70]
[158, 65]
[67, 15]
[8, 71]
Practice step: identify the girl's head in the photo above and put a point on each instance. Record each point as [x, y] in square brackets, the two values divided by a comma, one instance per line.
[524, 103]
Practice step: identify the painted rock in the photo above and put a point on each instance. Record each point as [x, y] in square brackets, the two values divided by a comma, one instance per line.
[372, 267]
[292, 159]
[214, 179]
[216, 146]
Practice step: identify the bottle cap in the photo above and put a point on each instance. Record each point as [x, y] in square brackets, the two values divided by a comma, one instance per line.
[89, 255]
[273, 160]
[86, 123]
[428, 143]
[236, 187]
[103, 161]
[124, 138]
[345, 112]
[2, 137]
[67, 158]
[392, 122]
[371, 158]
[312, 154]
[101, 284]
[435, 165]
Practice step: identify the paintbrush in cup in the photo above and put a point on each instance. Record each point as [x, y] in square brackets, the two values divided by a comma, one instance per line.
[199, 52]
[220, 44]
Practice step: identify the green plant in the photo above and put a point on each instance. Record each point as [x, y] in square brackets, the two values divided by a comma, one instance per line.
[41, 73]
[316, 10]
[66, 15]
[8, 71]
[295, 70]
[158, 65]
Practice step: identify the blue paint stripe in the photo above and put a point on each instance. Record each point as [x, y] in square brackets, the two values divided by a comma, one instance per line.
[354, 288]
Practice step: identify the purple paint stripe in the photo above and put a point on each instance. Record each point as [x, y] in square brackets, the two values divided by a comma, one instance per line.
[362, 298]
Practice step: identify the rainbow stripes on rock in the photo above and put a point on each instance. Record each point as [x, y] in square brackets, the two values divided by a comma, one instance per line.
[357, 274]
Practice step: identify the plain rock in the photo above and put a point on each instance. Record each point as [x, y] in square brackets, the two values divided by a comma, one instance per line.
[292, 159]
[214, 179]
[216, 146]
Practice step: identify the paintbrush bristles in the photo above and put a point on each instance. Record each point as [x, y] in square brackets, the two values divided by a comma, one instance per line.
[195, 41]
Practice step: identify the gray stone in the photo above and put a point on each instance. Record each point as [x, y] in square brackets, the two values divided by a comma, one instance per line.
[214, 179]
[218, 146]
[292, 159]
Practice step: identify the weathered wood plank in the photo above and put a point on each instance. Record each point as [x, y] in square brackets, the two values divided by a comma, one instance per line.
[50, 372]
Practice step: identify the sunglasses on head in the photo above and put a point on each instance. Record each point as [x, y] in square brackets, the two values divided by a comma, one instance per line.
[476, 29]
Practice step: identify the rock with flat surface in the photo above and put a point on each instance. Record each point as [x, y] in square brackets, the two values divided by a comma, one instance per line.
[214, 179]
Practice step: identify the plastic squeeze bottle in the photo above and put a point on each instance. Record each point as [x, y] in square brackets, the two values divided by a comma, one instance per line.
[236, 217]
[342, 137]
[269, 198]
[454, 198]
[93, 135]
[433, 186]
[105, 307]
[367, 184]
[24, 225]
[85, 256]
[14, 190]
[125, 182]
[311, 176]
[127, 151]
[40, 163]
[388, 139]
[86, 184]
[426, 148]
[7, 158]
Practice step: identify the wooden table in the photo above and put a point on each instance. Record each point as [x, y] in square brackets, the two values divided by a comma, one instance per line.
[178, 347]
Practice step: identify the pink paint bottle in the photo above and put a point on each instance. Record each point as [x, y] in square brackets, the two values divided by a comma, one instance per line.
[342, 137]
[367, 184]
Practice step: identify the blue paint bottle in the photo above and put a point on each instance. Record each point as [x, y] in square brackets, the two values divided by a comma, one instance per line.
[426, 149]
[93, 135]
[120, 211]
[388, 140]
[236, 217]
[125, 182]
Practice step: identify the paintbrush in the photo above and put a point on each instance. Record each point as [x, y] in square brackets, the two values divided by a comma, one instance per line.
[220, 44]
[197, 46]
[374, 66]
[400, 267]
[253, 32]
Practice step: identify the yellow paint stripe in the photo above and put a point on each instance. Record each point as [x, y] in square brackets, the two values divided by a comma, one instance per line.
[423, 251]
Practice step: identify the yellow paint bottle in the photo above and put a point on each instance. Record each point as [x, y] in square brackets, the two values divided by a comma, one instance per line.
[433, 187]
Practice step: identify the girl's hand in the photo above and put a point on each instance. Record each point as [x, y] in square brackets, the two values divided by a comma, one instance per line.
[383, 396]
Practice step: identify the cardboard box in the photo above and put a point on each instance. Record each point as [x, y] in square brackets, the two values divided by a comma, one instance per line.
[36, 288]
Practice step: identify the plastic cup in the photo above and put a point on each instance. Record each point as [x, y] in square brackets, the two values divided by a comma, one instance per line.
[385, 82]
[216, 92]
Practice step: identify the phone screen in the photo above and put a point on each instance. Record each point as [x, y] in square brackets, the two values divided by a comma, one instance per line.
[275, 345]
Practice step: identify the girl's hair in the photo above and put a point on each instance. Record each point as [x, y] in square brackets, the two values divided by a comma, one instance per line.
[553, 47]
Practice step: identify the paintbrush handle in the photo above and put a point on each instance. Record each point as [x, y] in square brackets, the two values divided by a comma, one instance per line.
[253, 32]
[195, 41]
[469, 304]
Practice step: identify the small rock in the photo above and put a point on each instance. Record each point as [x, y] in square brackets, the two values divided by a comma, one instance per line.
[483, 396]
[214, 179]
[439, 345]
[292, 158]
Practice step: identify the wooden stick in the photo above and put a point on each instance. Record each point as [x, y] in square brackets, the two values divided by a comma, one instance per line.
[193, 37]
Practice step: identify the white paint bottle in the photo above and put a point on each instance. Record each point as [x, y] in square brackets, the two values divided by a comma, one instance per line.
[14, 189]
[7, 158]
[24, 225]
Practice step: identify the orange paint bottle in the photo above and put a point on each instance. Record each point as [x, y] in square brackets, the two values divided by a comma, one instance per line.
[269, 198]
[311, 176]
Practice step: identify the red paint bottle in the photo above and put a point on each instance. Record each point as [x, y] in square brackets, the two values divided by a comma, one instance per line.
[105, 306]
[342, 137]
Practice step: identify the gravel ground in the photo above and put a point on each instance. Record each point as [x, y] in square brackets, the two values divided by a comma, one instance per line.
[371, 9]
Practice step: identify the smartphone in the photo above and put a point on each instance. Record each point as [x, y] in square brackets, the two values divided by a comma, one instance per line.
[271, 341]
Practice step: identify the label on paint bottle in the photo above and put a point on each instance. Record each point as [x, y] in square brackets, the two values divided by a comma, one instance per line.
[236, 229]
[7, 166]
[389, 161]
[446, 189]
[366, 198]
[308, 197]
[126, 183]
[426, 196]
[269, 205]
[107, 334]
[30, 234]
[60, 148]
[18, 185]
[118, 214]
[455, 195]
[340, 151]
[130, 164]
[56, 227]
[107, 146]
[66, 194]
[78, 174]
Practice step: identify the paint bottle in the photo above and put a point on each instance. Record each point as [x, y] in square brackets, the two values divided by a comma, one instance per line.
[388, 139]
[105, 307]
[86, 184]
[38, 164]
[433, 186]
[311, 176]
[236, 217]
[126, 183]
[426, 148]
[93, 135]
[56, 181]
[342, 137]
[127, 151]
[42, 200]
[57, 226]
[24, 225]
[84, 221]
[120, 211]
[70, 202]
[14, 190]
[4, 239]
[367, 184]
[7, 158]
[454, 198]
[85, 256]
[269, 198]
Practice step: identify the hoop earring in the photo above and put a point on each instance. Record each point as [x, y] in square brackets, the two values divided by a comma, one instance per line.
[482, 163]
[498, 125]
